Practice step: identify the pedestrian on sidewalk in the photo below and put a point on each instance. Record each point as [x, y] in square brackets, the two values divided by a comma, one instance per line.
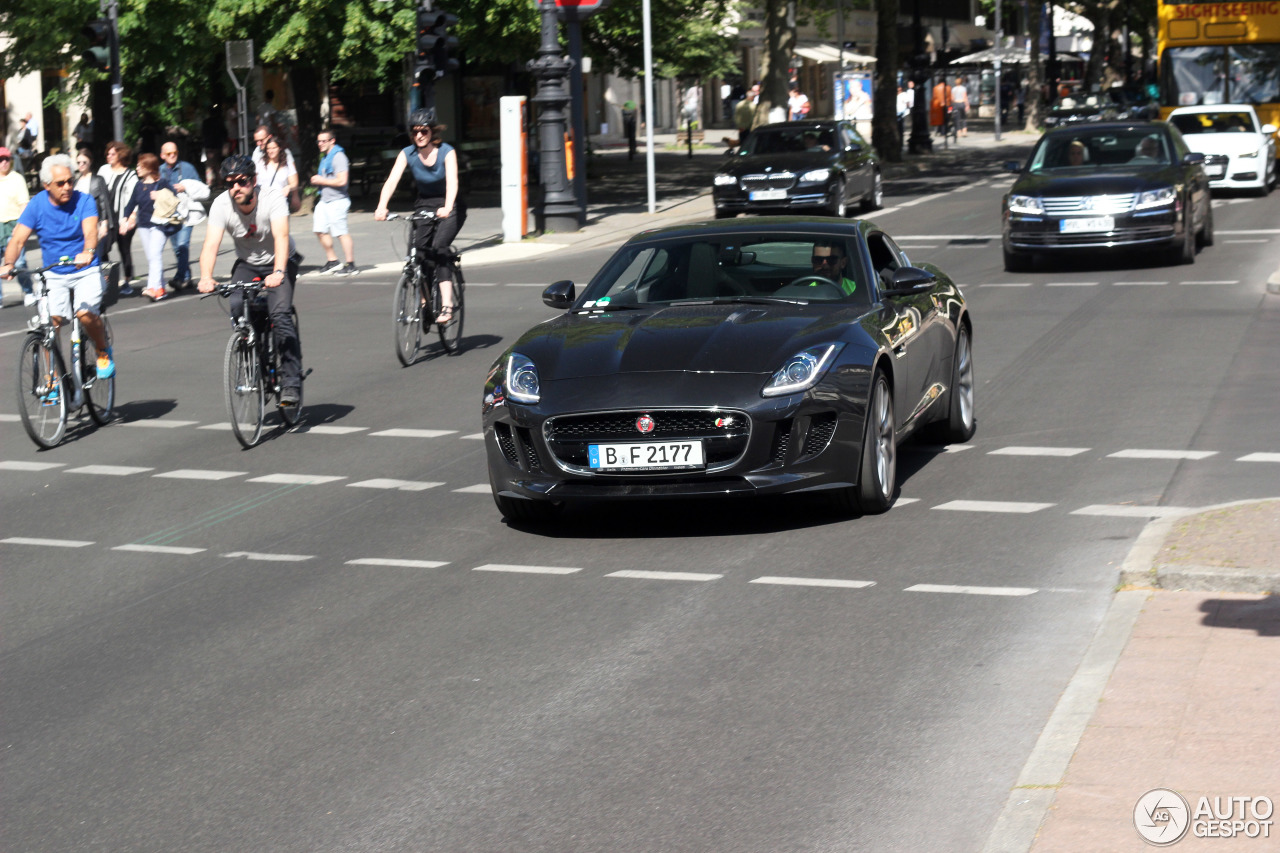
[798, 105]
[175, 172]
[940, 107]
[13, 200]
[629, 116]
[121, 179]
[744, 114]
[960, 106]
[330, 217]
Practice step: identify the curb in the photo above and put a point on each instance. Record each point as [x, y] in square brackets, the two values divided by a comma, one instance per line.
[1032, 796]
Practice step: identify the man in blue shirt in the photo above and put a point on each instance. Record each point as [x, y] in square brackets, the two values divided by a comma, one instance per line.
[66, 222]
[176, 171]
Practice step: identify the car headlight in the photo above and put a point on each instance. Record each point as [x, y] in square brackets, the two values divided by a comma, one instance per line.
[725, 180]
[1025, 204]
[814, 176]
[1156, 198]
[522, 379]
[1247, 154]
[802, 371]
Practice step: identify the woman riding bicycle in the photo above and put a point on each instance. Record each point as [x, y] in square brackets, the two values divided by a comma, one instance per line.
[434, 164]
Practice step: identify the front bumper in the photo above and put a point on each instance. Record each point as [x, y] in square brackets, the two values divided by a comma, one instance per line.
[734, 200]
[1043, 233]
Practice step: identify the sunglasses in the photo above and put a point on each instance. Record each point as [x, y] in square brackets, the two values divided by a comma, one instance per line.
[68, 182]
[6, 158]
[241, 181]
[422, 130]
[824, 260]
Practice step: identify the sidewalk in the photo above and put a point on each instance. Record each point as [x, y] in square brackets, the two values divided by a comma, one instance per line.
[1180, 690]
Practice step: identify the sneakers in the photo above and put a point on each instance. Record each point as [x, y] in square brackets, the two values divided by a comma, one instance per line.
[29, 299]
[106, 366]
[290, 396]
[126, 290]
[347, 269]
[330, 268]
[51, 398]
[179, 283]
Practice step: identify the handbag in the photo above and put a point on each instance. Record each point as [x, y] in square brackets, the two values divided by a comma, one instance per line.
[167, 210]
[111, 284]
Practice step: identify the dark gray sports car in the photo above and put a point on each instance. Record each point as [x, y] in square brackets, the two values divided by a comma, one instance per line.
[755, 356]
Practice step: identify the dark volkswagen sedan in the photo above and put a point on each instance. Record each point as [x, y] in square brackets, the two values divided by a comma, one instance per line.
[760, 356]
[1105, 187]
[800, 166]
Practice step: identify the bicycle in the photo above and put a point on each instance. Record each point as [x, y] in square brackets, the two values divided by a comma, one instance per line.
[44, 380]
[417, 291]
[251, 369]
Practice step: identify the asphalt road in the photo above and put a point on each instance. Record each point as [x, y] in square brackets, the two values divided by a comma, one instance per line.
[332, 642]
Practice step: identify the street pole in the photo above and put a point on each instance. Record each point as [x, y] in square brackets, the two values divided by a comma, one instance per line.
[920, 141]
[578, 110]
[647, 17]
[111, 10]
[557, 209]
[999, 47]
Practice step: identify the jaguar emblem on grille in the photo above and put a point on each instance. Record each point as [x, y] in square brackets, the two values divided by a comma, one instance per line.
[644, 424]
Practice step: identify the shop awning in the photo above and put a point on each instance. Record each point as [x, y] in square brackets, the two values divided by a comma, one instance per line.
[818, 52]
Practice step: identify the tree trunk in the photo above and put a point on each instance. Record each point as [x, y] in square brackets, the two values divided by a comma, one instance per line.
[306, 96]
[885, 137]
[1035, 72]
[775, 70]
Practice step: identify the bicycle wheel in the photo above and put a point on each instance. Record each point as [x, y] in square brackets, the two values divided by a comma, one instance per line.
[451, 332]
[406, 314]
[100, 394]
[246, 390]
[289, 414]
[42, 392]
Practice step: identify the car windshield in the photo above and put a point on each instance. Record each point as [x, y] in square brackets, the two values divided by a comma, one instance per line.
[785, 140]
[1086, 150]
[1219, 122]
[727, 268]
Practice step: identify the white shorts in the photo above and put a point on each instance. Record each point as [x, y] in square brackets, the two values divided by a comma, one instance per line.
[83, 288]
[331, 216]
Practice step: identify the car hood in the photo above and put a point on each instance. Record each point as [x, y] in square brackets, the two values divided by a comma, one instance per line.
[796, 161]
[1107, 180]
[1231, 144]
[724, 338]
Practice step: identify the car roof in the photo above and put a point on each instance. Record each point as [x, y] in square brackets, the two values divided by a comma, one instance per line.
[764, 226]
[1075, 129]
[807, 124]
[1213, 108]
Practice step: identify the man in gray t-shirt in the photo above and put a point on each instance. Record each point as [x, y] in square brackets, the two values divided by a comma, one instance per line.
[257, 218]
[330, 219]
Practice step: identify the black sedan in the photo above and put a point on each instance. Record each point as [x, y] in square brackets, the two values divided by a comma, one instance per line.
[759, 356]
[799, 166]
[1108, 186]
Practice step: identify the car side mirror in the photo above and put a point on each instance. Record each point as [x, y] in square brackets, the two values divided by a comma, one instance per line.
[560, 295]
[1012, 166]
[1195, 157]
[910, 280]
[1269, 129]
[853, 148]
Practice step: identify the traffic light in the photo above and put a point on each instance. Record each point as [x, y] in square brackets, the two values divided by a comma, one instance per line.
[98, 54]
[434, 43]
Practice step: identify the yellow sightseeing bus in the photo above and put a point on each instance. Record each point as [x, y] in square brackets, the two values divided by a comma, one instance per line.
[1220, 53]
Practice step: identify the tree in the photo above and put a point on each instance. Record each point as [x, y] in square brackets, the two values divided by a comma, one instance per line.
[885, 137]
[1035, 73]
[775, 69]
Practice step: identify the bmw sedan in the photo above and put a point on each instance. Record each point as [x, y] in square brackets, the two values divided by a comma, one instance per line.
[800, 166]
[1108, 186]
[1239, 150]
[752, 357]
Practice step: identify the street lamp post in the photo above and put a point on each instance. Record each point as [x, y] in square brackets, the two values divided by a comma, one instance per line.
[920, 141]
[558, 208]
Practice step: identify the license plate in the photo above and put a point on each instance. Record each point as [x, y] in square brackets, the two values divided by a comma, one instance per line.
[1215, 171]
[646, 456]
[767, 195]
[1093, 223]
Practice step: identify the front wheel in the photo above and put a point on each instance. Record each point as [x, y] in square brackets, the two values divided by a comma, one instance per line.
[838, 206]
[960, 423]
[42, 392]
[878, 471]
[1016, 262]
[875, 200]
[245, 389]
[100, 394]
[406, 315]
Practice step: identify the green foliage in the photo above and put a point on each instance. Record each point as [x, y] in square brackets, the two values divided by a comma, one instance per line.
[690, 38]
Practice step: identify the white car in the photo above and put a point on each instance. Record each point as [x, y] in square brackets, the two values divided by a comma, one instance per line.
[1240, 151]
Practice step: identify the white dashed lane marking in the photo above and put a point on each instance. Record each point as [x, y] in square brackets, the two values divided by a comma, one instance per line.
[526, 570]
[819, 582]
[269, 558]
[48, 543]
[401, 485]
[158, 549]
[993, 506]
[159, 423]
[329, 429]
[1038, 451]
[1161, 454]
[108, 470]
[199, 474]
[413, 433]
[18, 465]
[395, 563]
[1260, 457]
[972, 590]
[664, 576]
[480, 489]
[1127, 511]
[295, 479]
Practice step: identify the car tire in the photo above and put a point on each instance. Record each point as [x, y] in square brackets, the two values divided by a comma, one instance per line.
[1016, 262]
[724, 214]
[878, 467]
[1205, 238]
[875, 200]
[1185, 252]
[961, 421]
[838, 206]
[527, 511]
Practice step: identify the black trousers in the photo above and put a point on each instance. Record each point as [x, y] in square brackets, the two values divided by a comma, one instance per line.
[280, 307]
[440, 234]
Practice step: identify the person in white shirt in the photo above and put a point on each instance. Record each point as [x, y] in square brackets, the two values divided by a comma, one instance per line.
[960, 106]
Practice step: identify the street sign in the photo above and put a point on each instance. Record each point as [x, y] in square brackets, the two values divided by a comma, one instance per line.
[578, 10]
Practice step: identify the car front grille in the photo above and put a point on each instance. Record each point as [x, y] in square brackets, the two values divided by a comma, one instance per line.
[1091, 204]
[1120, 235]
[768, 181]
[724, 434]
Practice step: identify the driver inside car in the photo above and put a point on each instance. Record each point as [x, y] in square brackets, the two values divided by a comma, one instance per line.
[829, 261]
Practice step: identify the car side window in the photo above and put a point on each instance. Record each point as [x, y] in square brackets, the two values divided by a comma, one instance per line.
[886, 257]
